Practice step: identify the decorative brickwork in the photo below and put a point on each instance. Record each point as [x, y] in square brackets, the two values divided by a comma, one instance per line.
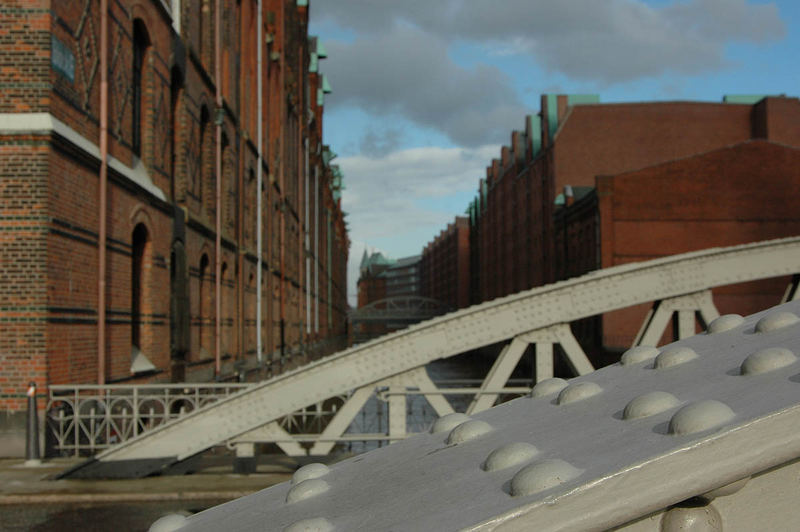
[160, 284]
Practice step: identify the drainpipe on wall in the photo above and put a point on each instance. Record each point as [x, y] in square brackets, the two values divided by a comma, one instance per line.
[282, 181]
[218, 224]
[101, 239]
[259, 180]
[316, 249]
[307, 246]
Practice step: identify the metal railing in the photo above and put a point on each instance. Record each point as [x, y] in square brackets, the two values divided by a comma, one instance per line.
[84, 419]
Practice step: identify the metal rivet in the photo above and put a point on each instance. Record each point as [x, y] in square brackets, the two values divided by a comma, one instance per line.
[775, 321]
[306, 472]
[448, 422]
[168, 523]
[724, 323]
[509, 455]
[699, 416]
[649, 404]
[548, 387]
[728, 489]
[767, 360]
[675, 356]
[695, 518]
[578, 392]
[637, 354]
[317, 524]
[542, 476]
[306, 489]
[469, 430]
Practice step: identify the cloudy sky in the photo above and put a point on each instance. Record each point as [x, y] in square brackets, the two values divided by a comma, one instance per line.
[426, 91]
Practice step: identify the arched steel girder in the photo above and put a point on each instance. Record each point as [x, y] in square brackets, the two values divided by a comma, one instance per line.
[525, 316]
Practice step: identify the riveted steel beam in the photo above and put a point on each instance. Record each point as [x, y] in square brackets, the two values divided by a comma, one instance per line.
[467, 329]
[697, 434]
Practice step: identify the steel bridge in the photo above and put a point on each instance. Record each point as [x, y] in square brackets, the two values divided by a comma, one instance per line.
[394, 365]
[395, 313]
[699, 435]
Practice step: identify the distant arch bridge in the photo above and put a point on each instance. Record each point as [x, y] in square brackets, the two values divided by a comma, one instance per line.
[399, 309]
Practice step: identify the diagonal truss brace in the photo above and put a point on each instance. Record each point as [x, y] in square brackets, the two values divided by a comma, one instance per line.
[686, 306]
[416, 379]
[511, 354]
[792, 293]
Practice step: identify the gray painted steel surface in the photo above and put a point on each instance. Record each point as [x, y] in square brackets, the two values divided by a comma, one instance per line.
[502, 319]
[624, 446]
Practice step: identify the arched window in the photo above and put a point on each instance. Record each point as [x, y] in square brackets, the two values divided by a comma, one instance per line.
[141, 42]
[176, 89]
[139, 263]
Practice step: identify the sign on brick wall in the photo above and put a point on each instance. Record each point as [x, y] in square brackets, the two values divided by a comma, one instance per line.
[62, 59]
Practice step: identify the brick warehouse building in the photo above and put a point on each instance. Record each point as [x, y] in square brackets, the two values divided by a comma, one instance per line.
[445, 265]
[589, 185]
[169, 90]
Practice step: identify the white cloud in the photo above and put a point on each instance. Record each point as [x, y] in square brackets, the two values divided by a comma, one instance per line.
[606, 42]
[409, 72]
[396, 196]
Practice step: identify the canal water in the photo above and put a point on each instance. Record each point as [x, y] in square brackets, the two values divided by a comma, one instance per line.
[109, 517]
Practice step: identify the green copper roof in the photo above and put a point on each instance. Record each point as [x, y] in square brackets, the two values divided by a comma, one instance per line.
[313, 62]
[749, 99]
[326, 87]
[302, 3]
[321, 51]
[572, 99]
[328, 155]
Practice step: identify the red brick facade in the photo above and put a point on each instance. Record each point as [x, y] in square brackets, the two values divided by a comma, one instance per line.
[654, 179]
[162, 192]
[445, 266]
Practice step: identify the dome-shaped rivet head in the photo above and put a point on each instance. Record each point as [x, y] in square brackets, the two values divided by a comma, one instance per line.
[542, 476]
[448, 422]
[724, 323]
[168, 523]
[767, 360]
[316, 524]
[700, 416]
[469, 430]
[578, 392]
[306, 489]
[548, 387]
[306, 472]
[775, 321]
[509, 455]
[692, 519]
[728, 489]
[637, 354]
[675, 356]
[649, 404]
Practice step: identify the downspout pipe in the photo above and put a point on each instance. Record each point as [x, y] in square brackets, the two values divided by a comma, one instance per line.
[282, 174]
[218, 202]
[259, 179]
[103, 203]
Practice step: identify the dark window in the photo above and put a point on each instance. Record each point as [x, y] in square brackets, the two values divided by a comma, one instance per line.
[205, 306]
[176, 85]
[138, 283]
